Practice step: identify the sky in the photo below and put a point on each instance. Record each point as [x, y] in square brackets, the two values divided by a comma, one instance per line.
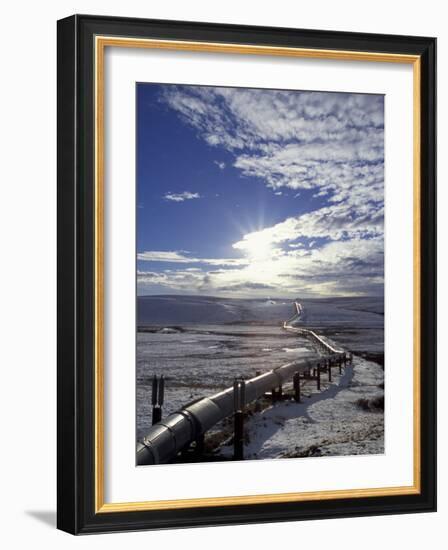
[257, 193]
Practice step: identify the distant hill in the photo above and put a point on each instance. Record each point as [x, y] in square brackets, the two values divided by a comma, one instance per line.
[208, 309]
[175, 309]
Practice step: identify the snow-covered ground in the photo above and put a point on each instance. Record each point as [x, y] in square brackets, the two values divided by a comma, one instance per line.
[329, 422]
[200, 360]
[200, 344]
[355, 312]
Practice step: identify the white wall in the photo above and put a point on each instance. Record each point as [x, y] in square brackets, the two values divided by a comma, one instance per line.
[28, 276]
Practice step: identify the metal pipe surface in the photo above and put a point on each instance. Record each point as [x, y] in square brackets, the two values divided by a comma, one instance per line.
[171, 435]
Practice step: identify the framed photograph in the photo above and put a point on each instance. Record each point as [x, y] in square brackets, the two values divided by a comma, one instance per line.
[246, 274]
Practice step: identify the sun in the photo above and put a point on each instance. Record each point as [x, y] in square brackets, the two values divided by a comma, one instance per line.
[257, 247]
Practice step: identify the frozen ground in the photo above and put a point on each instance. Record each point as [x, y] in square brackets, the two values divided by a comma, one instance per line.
[334, 312]
[329, 422]
[200, 344]
[200, 360]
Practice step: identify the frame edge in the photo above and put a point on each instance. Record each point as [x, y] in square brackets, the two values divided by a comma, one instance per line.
[73, 516]
[67, 457]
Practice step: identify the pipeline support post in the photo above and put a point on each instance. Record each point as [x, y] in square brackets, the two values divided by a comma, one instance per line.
[153, 449]
[257, 403]
[200, 445]
[157, 398]
[296, 383]
[239, 401]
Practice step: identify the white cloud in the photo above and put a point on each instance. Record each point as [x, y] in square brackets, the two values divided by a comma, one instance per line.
[334, 222]
[182, 257]
[181, 197]
[163, 256]
[350, 267]
[331, 144]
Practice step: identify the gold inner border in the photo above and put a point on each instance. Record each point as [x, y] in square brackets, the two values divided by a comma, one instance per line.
[101, 42]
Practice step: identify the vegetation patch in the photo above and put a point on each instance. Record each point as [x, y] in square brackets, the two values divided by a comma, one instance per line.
[373, 404]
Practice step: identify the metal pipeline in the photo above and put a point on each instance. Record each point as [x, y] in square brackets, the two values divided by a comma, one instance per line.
[307, 333]
[323, 344]
[171, 435]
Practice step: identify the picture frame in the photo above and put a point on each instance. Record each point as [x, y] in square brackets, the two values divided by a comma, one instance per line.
[82, 132]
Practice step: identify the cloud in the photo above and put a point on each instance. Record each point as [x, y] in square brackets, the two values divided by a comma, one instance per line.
[330, 142]
[181, 197]
[247, 286]
[337, 268]
[334, 222]
[183, 258]
[163, 256]
[247, 118]
[329, 145]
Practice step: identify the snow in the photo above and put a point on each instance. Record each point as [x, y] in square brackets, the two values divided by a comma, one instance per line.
[201, 360]
[325, 423]
[324, 312]
[200, 344]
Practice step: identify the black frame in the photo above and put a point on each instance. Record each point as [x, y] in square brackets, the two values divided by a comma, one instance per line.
[76, 275]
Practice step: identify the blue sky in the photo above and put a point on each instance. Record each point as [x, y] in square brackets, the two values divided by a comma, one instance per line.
[255, 193]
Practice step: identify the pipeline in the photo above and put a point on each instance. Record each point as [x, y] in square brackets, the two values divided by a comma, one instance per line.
[321, 343]
[307, 333]
[171, 435]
